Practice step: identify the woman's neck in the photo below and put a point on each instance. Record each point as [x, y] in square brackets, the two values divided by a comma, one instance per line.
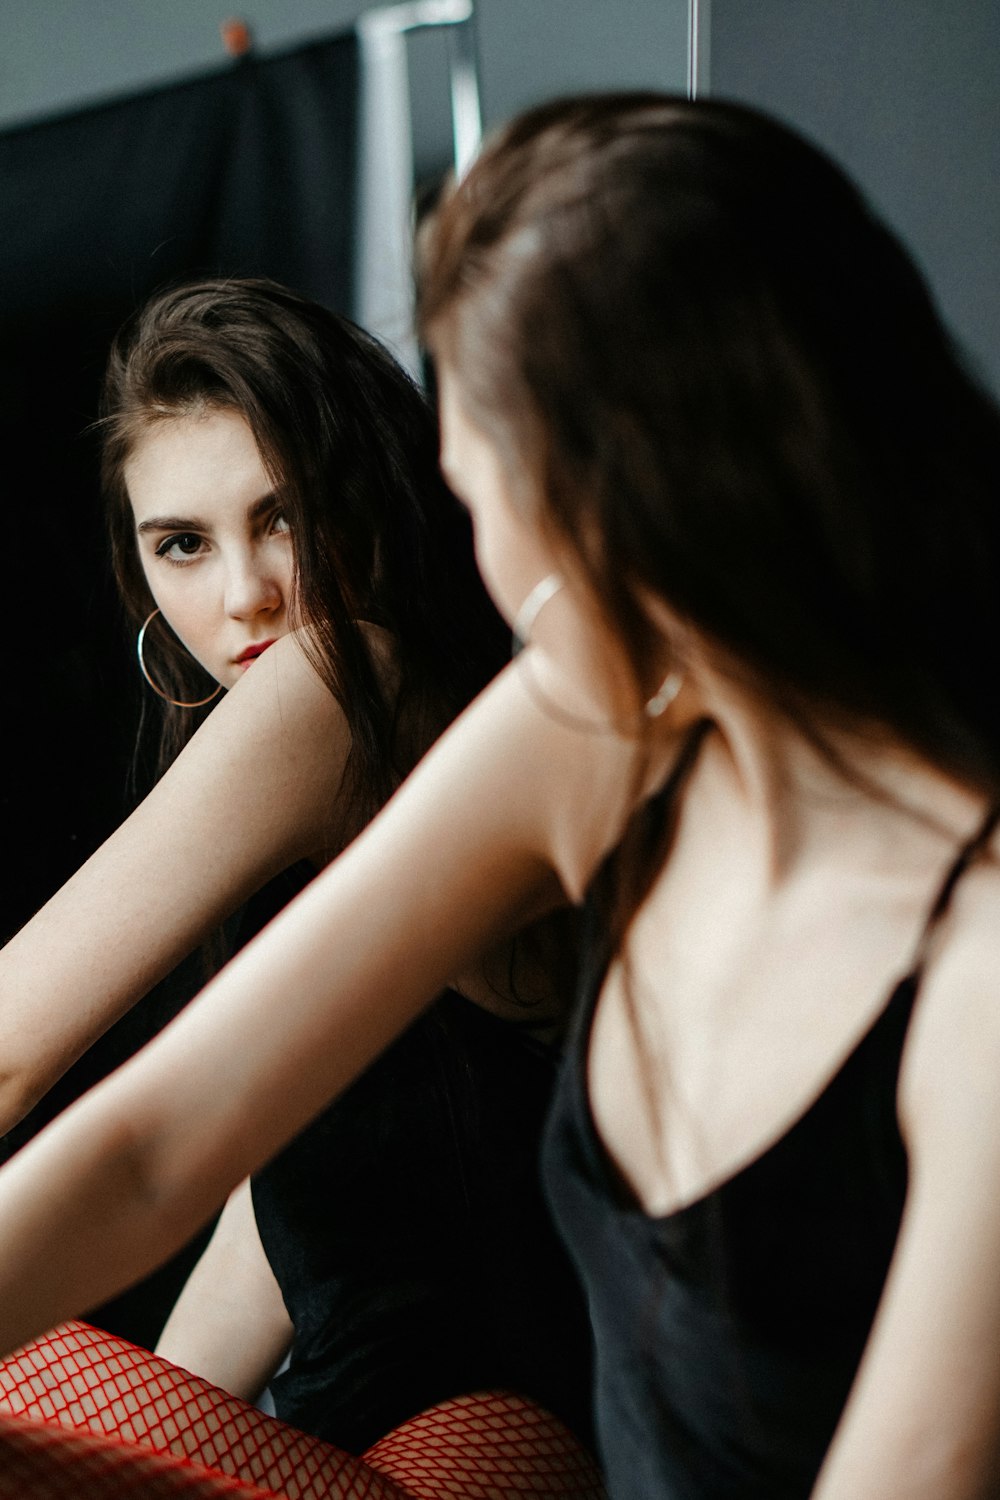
[839, 797]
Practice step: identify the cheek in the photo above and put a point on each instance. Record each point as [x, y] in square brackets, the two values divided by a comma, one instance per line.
[168, 599]
[285, 568]
[181, 606]
[511, 558]
[150, 577]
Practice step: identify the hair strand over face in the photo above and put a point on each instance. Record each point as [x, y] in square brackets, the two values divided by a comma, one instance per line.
[351, 448]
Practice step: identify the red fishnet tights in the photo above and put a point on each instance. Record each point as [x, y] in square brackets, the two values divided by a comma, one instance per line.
[86, 1414]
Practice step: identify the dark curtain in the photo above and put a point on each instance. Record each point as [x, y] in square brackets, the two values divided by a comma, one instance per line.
[250, 170]
[247, 171]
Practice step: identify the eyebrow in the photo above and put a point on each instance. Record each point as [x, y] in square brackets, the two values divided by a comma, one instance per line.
[259, 508]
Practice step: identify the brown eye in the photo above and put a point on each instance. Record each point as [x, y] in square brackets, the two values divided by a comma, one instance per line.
[182, 545]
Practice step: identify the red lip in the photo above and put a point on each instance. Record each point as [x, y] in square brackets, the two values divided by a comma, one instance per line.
[252, 652]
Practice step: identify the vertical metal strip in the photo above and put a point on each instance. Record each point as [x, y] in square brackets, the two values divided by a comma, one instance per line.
[466, 112]
[384, 277]
[699, 31]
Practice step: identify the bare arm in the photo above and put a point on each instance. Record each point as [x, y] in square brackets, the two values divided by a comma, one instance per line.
[229, 1324]
[504, 814]
[249, 795]
[923, 1419]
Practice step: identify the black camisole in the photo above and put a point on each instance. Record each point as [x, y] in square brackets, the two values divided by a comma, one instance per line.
[408, 1231]
[728, 1332]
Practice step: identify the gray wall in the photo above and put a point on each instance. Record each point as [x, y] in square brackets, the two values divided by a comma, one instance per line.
[59, 54]
[906, 95]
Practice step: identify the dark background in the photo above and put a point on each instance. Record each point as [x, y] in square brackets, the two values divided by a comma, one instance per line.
[248, 171]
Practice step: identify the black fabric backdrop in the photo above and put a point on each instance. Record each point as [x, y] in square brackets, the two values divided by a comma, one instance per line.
[247, 171]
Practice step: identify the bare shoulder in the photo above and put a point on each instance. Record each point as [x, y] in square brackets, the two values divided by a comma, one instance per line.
[269, 760]
[949, 1094]
[923, 1419]
[282, 692]
[567, 791]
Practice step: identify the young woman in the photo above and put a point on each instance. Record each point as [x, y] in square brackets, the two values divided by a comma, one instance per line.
[728, 476]
[281, 531]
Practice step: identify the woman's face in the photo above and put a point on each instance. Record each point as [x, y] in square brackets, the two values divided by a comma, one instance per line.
[214, 545]
[586, 672]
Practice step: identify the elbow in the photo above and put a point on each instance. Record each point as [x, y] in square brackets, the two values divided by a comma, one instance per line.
[164, 1163]
[137, 1191]
[21, 1087]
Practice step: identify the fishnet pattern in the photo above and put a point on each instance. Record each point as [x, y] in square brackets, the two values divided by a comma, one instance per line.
[487, 1447]
[90, 1381]
[51, 1463]
[104, 1419]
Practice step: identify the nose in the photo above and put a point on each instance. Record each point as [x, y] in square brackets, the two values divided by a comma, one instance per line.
[253, 586]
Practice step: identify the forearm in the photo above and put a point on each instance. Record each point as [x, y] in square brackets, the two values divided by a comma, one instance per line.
[125, 1176]
[229, 1324]
[456, 862]
[81, 1220]
[88, 957]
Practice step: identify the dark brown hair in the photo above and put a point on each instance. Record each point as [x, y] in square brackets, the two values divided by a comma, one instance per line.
[351, 447]
[722, 380]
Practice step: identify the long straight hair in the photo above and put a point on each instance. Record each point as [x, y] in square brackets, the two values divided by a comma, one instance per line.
[726, 385]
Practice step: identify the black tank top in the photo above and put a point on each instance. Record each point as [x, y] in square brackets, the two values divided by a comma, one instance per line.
[728, 1333]
[408, 1230]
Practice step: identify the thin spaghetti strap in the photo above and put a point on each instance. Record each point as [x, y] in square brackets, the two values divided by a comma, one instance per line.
[667, 800]
[966, 856]
[685, 761]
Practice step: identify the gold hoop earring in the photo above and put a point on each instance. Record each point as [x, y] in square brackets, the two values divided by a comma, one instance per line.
[545, 589]
[145, 671]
